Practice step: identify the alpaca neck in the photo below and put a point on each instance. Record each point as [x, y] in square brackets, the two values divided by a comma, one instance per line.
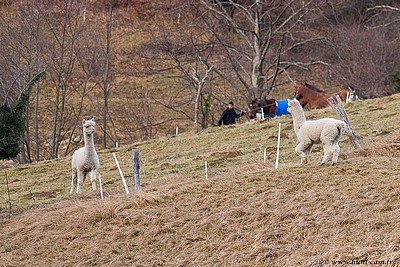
[298, 119]
[89, 144]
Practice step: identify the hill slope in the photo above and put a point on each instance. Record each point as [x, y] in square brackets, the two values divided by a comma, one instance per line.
[245, 214]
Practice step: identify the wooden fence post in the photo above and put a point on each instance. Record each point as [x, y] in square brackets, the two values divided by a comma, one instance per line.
[136, 169]
[338, 107]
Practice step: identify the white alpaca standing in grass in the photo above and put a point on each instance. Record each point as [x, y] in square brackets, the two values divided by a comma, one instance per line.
[326, 131]
[85, 160]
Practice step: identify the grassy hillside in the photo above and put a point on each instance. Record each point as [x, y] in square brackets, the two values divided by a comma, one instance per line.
[246, 214]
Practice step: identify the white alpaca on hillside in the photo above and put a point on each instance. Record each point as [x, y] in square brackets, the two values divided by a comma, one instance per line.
[85, 160]
[326, 131]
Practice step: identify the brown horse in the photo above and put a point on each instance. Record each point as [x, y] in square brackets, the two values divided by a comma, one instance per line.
[316, 99]
[314, 88]
[269, 107]
[353, 95]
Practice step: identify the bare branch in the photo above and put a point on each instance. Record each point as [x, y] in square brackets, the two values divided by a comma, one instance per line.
[384, 7]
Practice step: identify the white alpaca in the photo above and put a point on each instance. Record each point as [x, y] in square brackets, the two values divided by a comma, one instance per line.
[85, 160]
[326, 131]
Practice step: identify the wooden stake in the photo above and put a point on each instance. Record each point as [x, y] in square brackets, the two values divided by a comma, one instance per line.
[277, 148]
[136, 169]
[101, 187]
[338, 107]
[265, 154]
[206, 167]
[120, 173]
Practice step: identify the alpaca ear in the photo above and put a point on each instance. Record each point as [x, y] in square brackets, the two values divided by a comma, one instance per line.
[83, 121]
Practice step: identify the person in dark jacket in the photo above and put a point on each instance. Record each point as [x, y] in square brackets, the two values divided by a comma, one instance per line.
[229, 115]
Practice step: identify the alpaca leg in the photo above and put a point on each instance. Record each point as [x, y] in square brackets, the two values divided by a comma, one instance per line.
[308, 151]
[81, 179]
[328, 153]
[335, 155]
[93, 176]
[325, 158]
[74, 181]
[303, 150]
[303, 156]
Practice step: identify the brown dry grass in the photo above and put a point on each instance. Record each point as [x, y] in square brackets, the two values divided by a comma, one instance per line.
[246, 213]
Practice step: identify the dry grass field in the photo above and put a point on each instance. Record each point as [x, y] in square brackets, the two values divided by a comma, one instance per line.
[247, 213]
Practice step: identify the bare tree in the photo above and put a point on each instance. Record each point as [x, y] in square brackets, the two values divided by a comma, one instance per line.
[381, 10]
[62, 34]
[21, 54]
[95, 55]
[250, 45]
[257, 38]
[364, 45]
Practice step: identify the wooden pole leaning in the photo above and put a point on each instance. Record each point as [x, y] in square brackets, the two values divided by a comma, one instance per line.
[121, 173]
[338, 107]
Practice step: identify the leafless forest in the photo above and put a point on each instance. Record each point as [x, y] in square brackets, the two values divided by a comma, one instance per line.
[142, 68]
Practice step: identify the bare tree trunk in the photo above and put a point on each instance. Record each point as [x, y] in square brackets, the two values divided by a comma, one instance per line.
[25, 150]
[106, 74]
[36, 122]
[200, 84]
[257, 79]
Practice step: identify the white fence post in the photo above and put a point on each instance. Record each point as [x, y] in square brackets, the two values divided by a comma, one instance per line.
[121, 174]
[206, 168]
[101, 187]
[277, 148]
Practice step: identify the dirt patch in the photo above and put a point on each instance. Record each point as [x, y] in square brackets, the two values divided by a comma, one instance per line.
[46, 195]
[227, 155]
[275, 137]
[221, 157]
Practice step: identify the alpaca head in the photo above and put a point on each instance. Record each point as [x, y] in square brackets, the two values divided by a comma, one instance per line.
[88, 126]
[293, 105]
